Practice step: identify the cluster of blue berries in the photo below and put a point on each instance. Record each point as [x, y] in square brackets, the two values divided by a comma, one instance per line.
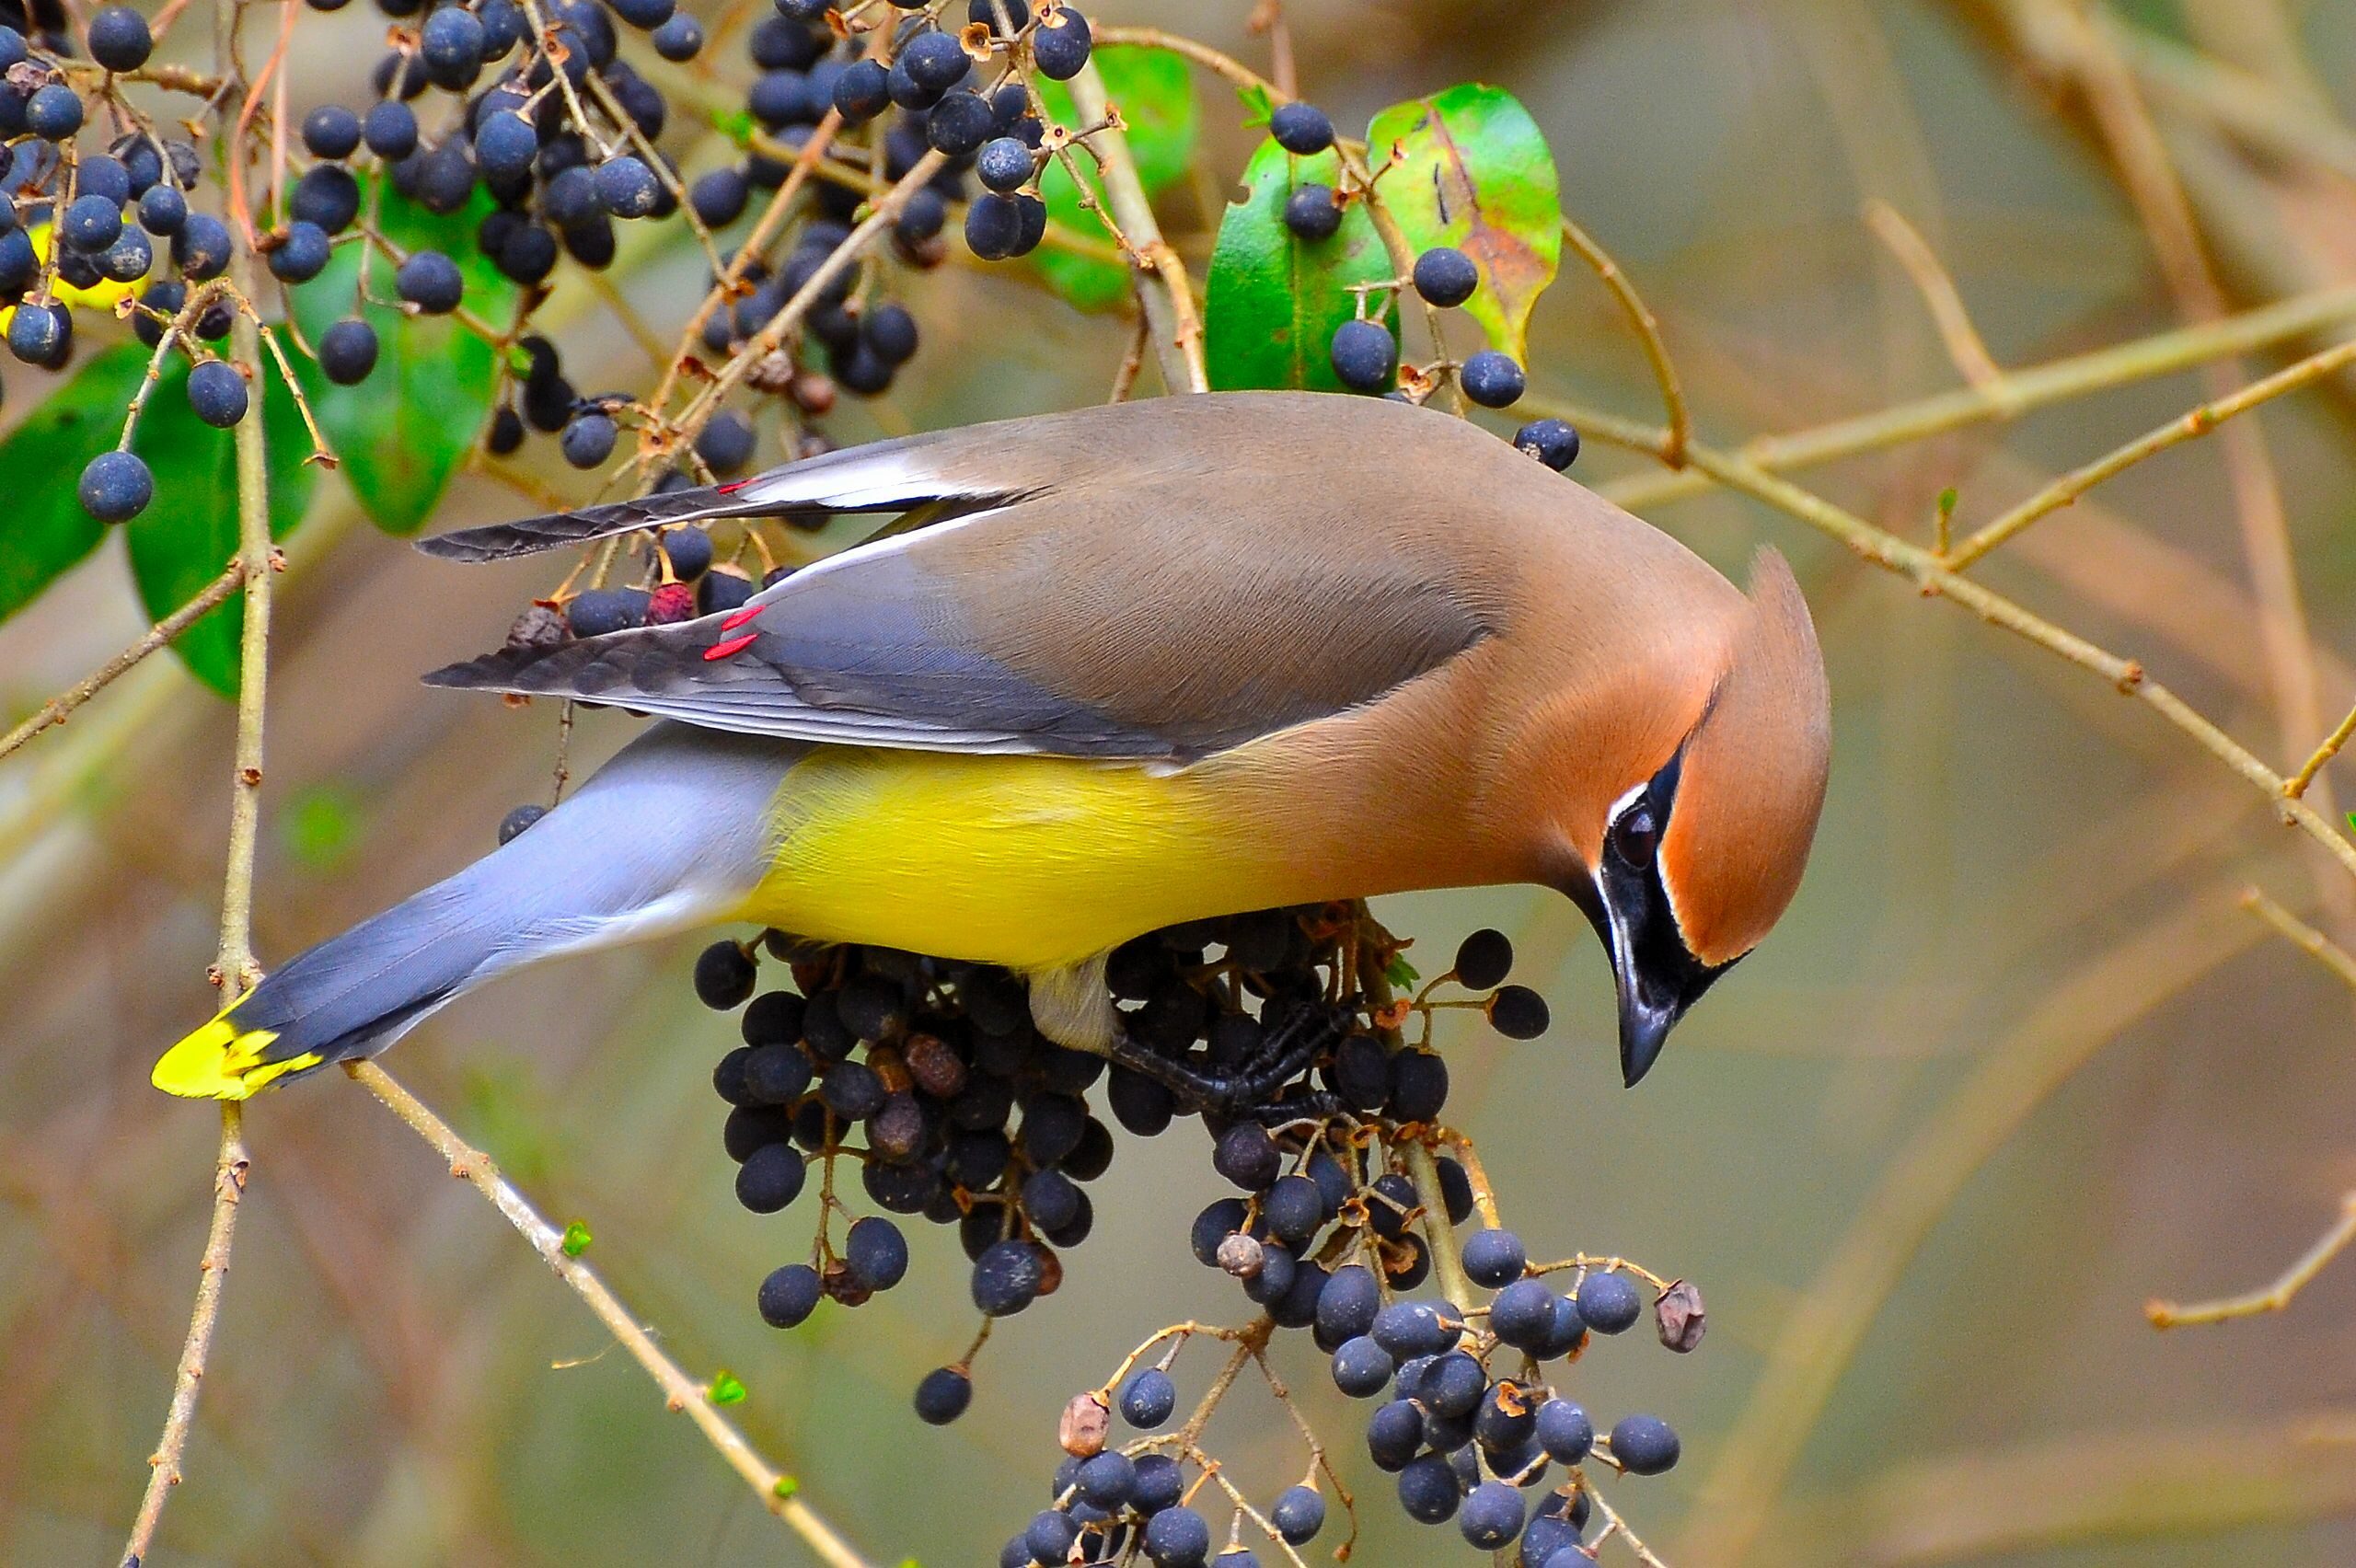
[931, 1076]
[547, 127]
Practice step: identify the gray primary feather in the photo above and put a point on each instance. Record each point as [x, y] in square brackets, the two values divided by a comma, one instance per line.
[665, 836]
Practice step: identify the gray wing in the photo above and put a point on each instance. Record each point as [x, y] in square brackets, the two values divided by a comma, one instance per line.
[1113, 588]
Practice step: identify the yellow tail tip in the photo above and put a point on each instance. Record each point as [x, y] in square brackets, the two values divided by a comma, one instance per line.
[223, 1062]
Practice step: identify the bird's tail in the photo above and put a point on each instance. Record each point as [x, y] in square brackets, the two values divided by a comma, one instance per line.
[670, 834]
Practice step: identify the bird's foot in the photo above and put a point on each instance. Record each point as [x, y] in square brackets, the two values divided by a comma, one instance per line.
[1249, 1090]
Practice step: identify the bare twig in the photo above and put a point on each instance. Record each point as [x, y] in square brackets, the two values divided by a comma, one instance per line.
[1913, 253]
[56, 708]
[778, 1491]
[1678, 419]
[2038, 386]
[2273, 1297]
[1923, 569]
[2189, 426]
[1163, 287]
[234, 967]
[213, 1270]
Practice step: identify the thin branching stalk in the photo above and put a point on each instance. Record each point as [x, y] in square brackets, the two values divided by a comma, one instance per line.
[2037, 387]
[57, 708]
[779, 1493]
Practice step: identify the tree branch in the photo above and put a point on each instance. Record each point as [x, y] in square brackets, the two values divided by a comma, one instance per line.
[777, 1490]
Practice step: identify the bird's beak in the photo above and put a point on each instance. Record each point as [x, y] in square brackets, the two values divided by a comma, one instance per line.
[1648, 1012]
[1656, 978]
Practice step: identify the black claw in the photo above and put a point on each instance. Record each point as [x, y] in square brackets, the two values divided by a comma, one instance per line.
[1250, 1091]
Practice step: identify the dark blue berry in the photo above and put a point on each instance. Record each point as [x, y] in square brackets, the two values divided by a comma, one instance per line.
[1175, 1537]
[1049, 1539]
[1610, 1303]
[1644, 1445]
[53, 113]
[217, 393]
[862, 92]
[876, 1252]
[1313, 213]
[1362, 1368]
[119, 40]
[302, 254]
[1523, 1314]
[431, 282]
[390, 129]
[326, 195]
[644, 14]
[593, 612]
[128, 258]
[680, 39]
[1551, 442]
[1300, 128]
[348, 352]
[519, 821]
[451, 42]
[505, 146]
[1004, 163]
[1365, 356]
[943, 1395]
[1494, 1258]
[41, 335]
[1429, 1489]
[1393, 1435]
[1298, 1514]
[162, 211]
[1516, 1011]
[1492, 1515]
[1492, 379]
[771, 1179]
[791, 1294]
[959, 123]
[1483, 960]
[1006, 1278]
[103, 176]
[115, 486]
[331, 131]
[1147, 1398]
[1348, 1302]
[1445, 276]
[724, 974]
[717, 198]
[626, 187]
[1565, 1432]
[92, 223]
[1061, 49]
[935, 61]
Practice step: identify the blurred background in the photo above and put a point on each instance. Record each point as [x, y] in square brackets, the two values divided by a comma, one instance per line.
[2015, 1062]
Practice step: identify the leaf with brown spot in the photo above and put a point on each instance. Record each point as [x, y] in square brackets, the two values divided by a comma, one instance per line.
[1469, 167]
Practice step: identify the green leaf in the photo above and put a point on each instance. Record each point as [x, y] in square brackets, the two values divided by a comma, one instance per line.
[1400, 972]
[1469, 168]
[1273, 300]
[189, 531]
[47, 532]
[728, 1389]
[785, 1488]
[576, 1239]
[1155, 97]
[402, 432]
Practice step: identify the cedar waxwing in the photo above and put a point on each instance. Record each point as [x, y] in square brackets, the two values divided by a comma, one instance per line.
[1142, 663]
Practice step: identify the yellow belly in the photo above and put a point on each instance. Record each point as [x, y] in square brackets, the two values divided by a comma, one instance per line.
[1033, 862]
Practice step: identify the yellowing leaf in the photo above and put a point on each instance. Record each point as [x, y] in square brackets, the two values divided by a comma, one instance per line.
[1469, 167]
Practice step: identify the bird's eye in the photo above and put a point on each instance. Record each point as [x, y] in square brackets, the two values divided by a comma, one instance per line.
[1636, 833]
